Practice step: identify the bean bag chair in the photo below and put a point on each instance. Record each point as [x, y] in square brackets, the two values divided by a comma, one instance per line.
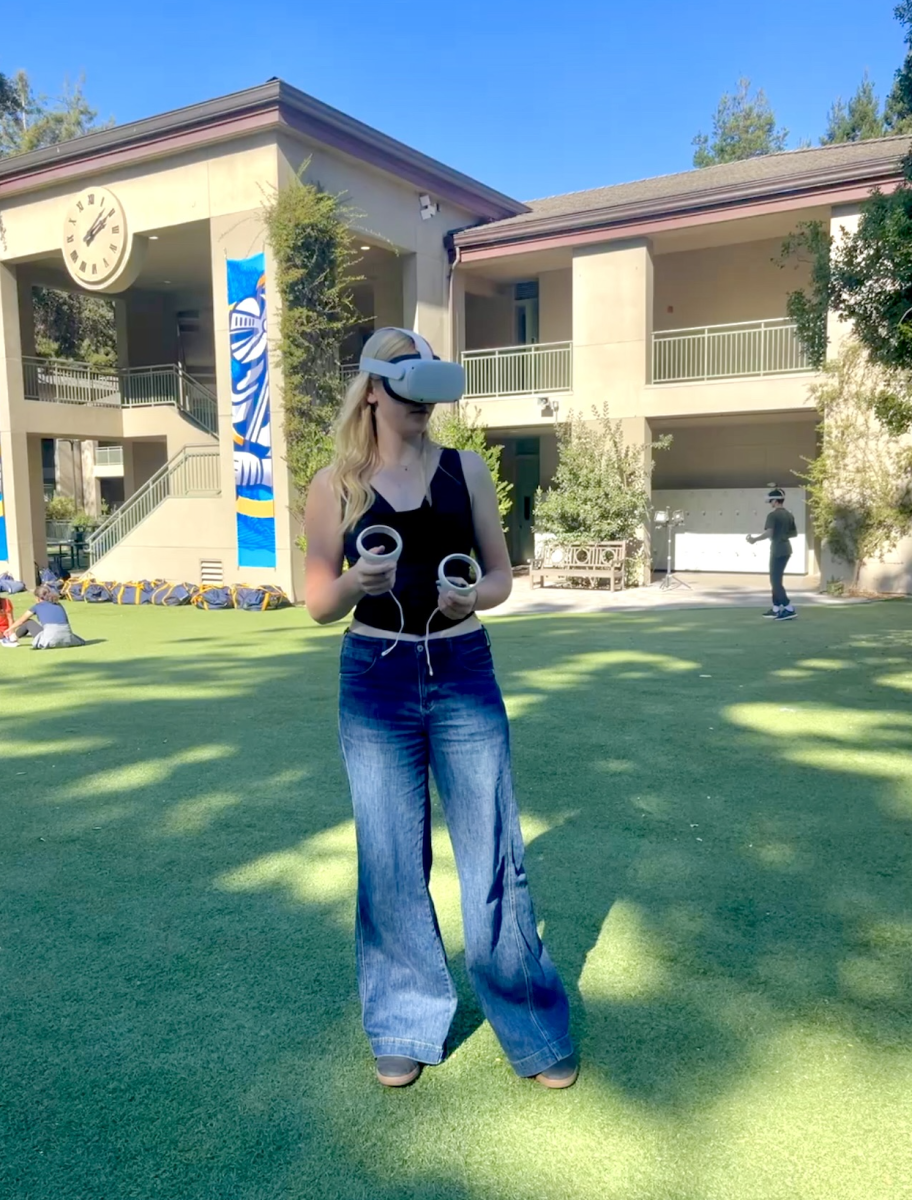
[11, 586]
[52, 577]
[134, 593]
[211, 596]
[89, 590]
[172, 594]
[258, 598]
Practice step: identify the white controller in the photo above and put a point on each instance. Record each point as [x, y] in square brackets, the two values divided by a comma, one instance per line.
[474, 574]
[382, 533]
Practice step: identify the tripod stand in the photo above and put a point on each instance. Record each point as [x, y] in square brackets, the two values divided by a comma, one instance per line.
[671, 521]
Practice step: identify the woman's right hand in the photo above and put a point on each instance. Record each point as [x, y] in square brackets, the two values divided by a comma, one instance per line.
[375, 579]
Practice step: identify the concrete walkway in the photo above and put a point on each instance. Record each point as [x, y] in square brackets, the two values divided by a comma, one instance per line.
[695, 590]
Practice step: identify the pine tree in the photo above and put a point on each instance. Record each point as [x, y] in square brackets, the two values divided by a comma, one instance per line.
[858, 120]
[744, 126]
[29, 121]
[898, 110]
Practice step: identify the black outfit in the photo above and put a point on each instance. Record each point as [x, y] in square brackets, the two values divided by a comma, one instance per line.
[429, 534]
[782, 527]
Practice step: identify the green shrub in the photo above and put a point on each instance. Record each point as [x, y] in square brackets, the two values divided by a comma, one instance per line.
[60, 508]
[600, 490]
[454, 426]
[308, 234]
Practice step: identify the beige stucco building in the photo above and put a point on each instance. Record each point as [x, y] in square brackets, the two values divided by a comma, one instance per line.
[663, 299]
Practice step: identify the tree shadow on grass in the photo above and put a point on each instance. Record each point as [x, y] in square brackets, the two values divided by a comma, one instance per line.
[718, 858]
[756, 828]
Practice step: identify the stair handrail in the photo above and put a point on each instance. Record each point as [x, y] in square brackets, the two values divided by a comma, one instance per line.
[187, 389]
[120, 516]
[192, 398]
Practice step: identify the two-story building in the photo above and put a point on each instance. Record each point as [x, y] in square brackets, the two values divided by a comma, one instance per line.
[664, 298]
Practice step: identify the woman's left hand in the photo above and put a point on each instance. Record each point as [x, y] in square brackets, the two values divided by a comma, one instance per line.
[457, 605]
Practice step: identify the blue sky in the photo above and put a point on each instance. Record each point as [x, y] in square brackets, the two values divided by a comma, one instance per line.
[532, 98]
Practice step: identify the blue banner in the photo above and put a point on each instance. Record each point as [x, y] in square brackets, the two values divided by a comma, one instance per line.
[250, 416]
[4, 546]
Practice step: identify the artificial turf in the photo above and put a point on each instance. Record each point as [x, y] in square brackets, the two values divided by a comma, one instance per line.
[718, 812]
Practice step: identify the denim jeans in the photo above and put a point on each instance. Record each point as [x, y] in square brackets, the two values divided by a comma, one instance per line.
[777, 573]
[397, 721]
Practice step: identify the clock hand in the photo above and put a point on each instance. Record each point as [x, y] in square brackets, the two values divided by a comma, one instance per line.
[96, 227]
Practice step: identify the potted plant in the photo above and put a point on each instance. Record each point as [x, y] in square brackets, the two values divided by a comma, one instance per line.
[59, 514]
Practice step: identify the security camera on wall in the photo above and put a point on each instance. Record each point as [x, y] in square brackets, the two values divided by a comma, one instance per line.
[428, 207]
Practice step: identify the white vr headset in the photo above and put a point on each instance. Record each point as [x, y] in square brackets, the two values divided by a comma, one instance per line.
[418, 378]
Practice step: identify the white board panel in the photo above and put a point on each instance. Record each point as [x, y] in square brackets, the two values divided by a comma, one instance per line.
[716, 524]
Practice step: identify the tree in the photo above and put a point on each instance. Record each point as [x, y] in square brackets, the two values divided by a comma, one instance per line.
[744, 126]
[860, 485]
[810, 243]
[898, 109]
[9, 97]
[30, 121]
[865, 278]
[600, 490]
[858, 120]
[71, 325]
[455, 427]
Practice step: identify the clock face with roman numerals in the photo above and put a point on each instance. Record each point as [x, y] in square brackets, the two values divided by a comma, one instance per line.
[95, 242]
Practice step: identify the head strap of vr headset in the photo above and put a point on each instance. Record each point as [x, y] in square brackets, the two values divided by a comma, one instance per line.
[388, 370]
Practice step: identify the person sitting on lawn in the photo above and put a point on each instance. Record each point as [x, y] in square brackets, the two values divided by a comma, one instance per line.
[45, 622]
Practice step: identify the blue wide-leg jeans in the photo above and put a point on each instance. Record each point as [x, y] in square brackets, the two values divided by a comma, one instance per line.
[397, 721]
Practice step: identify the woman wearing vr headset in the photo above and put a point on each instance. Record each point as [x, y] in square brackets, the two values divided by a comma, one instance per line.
[418, 694]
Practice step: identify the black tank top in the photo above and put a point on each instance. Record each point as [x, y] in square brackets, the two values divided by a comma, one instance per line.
[429, 534]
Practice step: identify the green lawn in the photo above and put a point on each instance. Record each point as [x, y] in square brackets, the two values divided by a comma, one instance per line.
[719, 818]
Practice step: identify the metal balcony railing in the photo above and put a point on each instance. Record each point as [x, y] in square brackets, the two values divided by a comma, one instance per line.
[194, 471]
[59, 382]
[727, 351]
[519, 370]
[109, 456]
[70, 383]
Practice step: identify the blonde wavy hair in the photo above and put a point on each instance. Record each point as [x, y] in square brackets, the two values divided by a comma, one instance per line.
[357, 456]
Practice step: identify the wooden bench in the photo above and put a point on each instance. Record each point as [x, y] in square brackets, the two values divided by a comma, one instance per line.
[593, 562]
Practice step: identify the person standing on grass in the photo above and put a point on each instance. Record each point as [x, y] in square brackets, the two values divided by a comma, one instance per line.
[45, 622]
[418, 694]
[780, 528]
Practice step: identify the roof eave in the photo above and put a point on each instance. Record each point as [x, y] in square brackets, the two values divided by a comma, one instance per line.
[311, 117]
[873, 174]
[273, 103]
[137, 133]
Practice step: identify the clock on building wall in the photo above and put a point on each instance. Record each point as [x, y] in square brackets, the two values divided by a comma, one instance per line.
[99, 249]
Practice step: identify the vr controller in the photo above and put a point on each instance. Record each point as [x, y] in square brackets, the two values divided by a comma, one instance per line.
[446, 578]
[384, 534]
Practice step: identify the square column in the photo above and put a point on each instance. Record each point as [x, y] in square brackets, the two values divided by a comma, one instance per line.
[387, 289]
[424, 298]
[843, 221]
[457, 321]
[612, 326]
[14, 450]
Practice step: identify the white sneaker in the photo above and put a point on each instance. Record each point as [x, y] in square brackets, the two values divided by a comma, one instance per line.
[9, 643]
